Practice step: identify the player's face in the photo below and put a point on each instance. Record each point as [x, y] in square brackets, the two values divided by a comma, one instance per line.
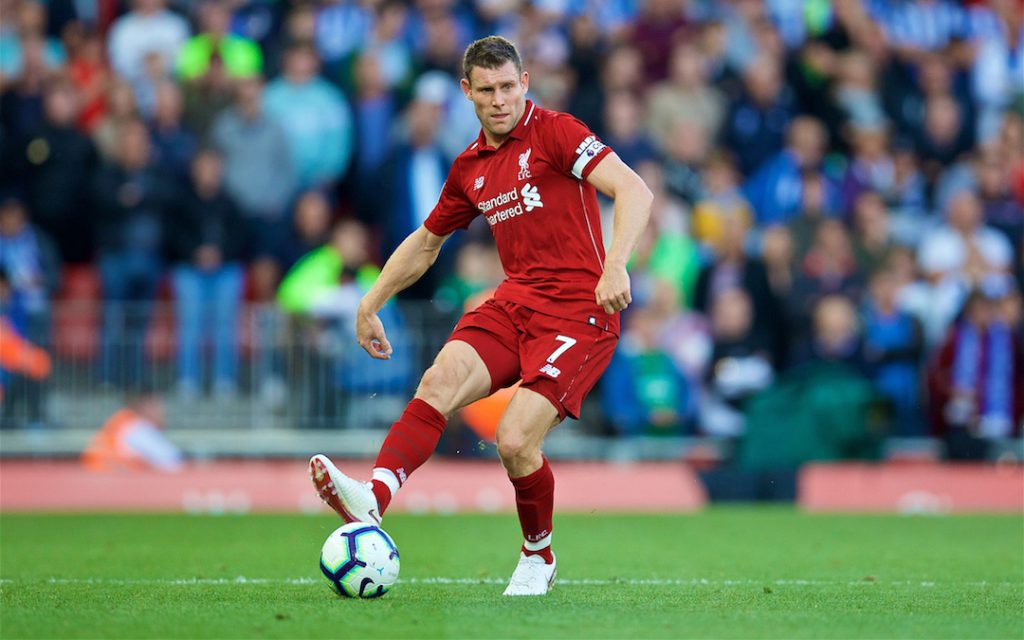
[499, 98]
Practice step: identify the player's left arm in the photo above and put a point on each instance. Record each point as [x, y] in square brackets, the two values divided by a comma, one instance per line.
[616, 180]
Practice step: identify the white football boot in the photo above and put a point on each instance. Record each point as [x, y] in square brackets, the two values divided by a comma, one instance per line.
[532, 577]
[352, 500]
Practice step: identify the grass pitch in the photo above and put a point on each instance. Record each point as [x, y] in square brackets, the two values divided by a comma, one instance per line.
[726, 573]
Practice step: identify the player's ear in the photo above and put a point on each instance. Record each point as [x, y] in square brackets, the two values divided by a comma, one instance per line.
[466, 89]
[525, 80]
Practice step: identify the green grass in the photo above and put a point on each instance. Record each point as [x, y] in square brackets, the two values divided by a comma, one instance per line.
[738, 573]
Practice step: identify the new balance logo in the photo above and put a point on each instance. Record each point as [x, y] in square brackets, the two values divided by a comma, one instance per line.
[401, 475]
[551, 370]
[479, 182]
[524, 164]
[531, 199]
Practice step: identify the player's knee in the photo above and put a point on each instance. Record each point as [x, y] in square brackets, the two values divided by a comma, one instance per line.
[515, 450]
[437, 388]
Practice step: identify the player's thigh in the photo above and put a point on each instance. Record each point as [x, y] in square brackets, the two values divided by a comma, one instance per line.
[527, 419]
[491, 332]
[457, 377]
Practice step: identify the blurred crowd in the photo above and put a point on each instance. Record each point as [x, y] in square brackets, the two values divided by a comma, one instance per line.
[838, 183]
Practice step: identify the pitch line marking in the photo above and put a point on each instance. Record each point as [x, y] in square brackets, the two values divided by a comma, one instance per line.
[437, 580]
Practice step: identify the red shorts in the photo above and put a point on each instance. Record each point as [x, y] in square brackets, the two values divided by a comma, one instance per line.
[560, 359]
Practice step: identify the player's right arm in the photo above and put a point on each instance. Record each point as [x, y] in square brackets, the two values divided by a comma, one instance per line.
[406, 265]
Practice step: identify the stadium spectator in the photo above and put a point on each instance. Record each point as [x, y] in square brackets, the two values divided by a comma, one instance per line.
[856, 93]
[31, 263]
[828, 268]
[149, 30]
[740, 19]
[871, 166]
[815, 207]
[439, 34]
[375, 108]
[208, 238]
[315, 116]
[412, 177]
[258, 173]
[776, 189]
[477, 272]
[733, 268]
[21, 103]
[27, 37]
[997, 75]
[835, 334]
[722, 198]
[207, 96]
[954, 257]
[132, 201]
[88, 73]
[31, 267]
[21, 362]
[323, 290]
[133, 438]
[756, 124]
[666, 252]
[311, 222]
[121, 109]
[241, 57]
[621, 70]
[976, 377]
[740, 364]
[872, 241]
[916, 28]
[685, 94]
[173, 144]
[686, 151]
[623, 114]
[53, 164]
[645, 393]
[893, 345]
[945, 135]
[1000, 209]
[339, 29]
[778, 255]
[906, 199]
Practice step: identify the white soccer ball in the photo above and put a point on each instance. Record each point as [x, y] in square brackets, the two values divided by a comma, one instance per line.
[359, 560]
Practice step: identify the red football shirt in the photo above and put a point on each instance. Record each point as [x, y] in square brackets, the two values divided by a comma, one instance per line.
[532, 190]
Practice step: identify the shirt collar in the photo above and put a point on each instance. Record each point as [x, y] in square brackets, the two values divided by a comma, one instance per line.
[518, 132]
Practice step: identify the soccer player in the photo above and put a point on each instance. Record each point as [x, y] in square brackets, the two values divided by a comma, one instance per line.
[552, 323]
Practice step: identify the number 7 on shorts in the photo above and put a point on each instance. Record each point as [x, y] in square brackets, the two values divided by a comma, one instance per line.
[567, 343]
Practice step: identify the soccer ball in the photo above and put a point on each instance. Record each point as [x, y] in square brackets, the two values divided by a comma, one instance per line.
[359, 560]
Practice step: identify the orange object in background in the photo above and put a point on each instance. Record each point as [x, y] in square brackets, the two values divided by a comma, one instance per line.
[107, 449]
[20, 356]
[133, 439]
[483, 415]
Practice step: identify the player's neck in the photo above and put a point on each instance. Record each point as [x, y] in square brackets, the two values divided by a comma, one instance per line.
[492, 141]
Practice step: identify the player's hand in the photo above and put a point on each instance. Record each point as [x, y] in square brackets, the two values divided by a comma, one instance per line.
[612, 291]
[371, 336]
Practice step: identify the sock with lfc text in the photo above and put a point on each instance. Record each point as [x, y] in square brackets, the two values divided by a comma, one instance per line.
[535, 502]
[411, 440]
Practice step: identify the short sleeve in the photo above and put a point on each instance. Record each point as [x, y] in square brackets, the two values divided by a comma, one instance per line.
[574, 147]
[453, 209]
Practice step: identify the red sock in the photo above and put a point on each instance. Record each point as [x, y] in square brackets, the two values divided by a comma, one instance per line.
[411, 440]
[535, 501]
